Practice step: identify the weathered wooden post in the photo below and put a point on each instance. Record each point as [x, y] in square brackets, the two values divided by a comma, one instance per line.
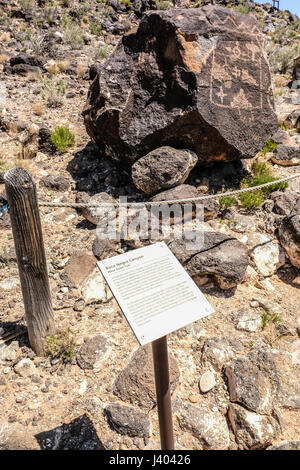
[28, 239]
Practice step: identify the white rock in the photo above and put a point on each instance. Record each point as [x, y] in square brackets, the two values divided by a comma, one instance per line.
[94, 288]
[265, 255]
[207, 381]
[295, 351]
[83, 387]
[9, 283]
[248, 321]
[25, 368]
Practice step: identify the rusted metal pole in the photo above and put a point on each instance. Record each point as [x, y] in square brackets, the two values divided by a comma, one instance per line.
[163, 393]
[27, 231]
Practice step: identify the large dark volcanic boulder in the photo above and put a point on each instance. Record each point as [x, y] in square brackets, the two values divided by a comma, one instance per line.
[194, 79]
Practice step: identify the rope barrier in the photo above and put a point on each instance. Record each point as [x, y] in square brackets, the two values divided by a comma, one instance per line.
[79, 205]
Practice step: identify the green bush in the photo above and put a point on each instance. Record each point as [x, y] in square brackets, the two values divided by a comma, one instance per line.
[269, 146]
[96, 29]
[62, 138]
[227, 201]
[261, 174]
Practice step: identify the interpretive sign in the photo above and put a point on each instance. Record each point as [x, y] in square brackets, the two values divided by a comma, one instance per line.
[154, 291]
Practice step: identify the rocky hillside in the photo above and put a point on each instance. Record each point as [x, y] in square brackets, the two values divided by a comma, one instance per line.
[234, 374]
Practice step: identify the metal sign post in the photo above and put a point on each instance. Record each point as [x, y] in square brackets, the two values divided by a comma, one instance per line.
[163, 393]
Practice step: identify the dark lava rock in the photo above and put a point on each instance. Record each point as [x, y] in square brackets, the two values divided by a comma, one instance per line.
[135, 384]
[26, 59]
[284, 202]
[286, 156]
[248, 386]
[56, 182]
[162, 168]
[218, 255]
[211, 207]
[296, 68]
[92, 352]
[289, 237]
[191, 79]
[45, 145]
[127, 420]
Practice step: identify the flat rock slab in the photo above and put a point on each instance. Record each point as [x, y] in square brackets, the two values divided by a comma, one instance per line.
[79, 266]
[223, 257]
[128, 420]
[195, 78]
[135, 384]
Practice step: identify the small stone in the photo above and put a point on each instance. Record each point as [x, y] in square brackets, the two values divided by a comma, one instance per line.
[83, 387]
[208, 426]
[93, 352]
[20, 400]
[25, 368]
[128, 421]
[207, 381]
[248, 321]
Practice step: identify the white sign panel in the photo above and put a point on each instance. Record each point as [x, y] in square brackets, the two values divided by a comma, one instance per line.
[154, 291]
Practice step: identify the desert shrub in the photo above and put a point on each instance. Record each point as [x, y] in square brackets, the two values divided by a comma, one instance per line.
[35, 40]
[252, 199]
[73, 33]
[96, 29]
[282, 58]
[102, 51]
[53, 91]
[26, 5]
[243, 8]
[162, 4]
[61, 345]
[267, 317]
[62, 138]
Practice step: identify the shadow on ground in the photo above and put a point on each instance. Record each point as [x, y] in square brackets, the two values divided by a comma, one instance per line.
[287, 274]
[80, 434]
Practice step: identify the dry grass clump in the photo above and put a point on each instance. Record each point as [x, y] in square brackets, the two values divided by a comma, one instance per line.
[5, 37]
[3, 58]
[38, 108]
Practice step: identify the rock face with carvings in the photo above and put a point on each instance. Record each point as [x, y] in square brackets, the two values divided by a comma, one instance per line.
[194, 79]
